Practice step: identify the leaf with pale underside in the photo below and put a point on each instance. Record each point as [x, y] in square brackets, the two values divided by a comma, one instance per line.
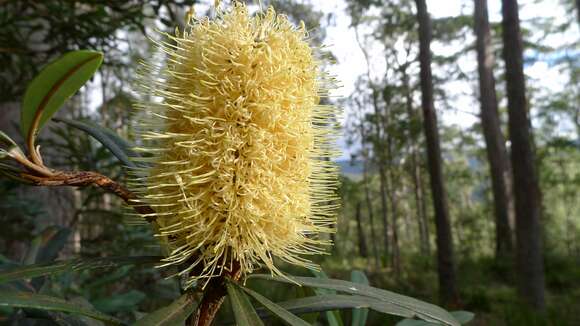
[416, 308]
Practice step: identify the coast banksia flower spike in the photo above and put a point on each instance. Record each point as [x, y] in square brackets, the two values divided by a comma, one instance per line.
[238, 148]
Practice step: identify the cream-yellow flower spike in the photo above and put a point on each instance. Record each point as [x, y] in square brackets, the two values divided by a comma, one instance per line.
[240, 150]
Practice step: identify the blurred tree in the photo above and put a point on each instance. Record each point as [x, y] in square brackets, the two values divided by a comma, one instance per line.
[445, 259]
[528, 201]
[494, 140]
[34, 32]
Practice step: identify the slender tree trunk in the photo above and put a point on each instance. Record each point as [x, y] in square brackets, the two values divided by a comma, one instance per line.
[395, 251]
[424, 242]
[381, 162]
[445, 261]
[529, 260]
[369, 205]
[494, 140]
[362, 244]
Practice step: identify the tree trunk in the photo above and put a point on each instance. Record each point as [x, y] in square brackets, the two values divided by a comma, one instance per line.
[445, 261]
[381, 162]
[529, 260]
[395, 250]
[362, 244]
[494, 140]
[424, 242]
[370, 211]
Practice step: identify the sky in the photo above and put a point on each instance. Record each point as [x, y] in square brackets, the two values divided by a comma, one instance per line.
[340, 39]
[351, 63]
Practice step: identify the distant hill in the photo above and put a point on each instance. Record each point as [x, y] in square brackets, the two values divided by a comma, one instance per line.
[351, 169]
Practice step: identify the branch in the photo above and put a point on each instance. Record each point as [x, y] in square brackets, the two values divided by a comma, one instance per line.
[213, 297]
[87, 178]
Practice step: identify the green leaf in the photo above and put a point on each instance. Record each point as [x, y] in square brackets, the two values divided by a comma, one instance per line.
[44, 302]
[303, 292]
[332, 317]
[341, 301]
[58, 81]
[52, 245]
[423, 310]
[107, 137]
[120, 302]
[415, 322]
[283, 314]
[174, 314]
[7, 141]
[35, 270]
[462, 316]
[6, 145]
[359, 316]
[243, 311]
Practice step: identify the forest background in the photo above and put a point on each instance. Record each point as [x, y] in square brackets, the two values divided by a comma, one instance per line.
[451, 197]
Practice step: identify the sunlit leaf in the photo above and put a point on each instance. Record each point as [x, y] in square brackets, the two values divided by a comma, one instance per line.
[244, 312]
[44, 302]
[58, 81]
[174, 314]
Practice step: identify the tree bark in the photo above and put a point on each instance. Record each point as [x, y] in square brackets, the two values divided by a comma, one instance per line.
[362, 244]
[369, 204]
[529, 260]
[445, 260]
[381, 162]
[390, 181]
[494, 140]
[424, 242]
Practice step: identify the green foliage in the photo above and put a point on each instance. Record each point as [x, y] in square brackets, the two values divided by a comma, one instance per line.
[107, 137]
[58, 81]
[359, 316]
[244, 313]
[275, 309]
[400, 305]
[174, 314]
[44, 302]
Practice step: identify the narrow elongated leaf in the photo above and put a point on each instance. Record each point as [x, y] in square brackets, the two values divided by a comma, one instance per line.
[120, 302]
[58, 81]
[107, 137]
[359, 316]
[44, 302]
[31, 271]
[283, 314]
[423, 310]
[6, 141]
[244, 312]
[332, 317]
[341, 301]
[415, 322]
[174, 314]
[463, 316]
